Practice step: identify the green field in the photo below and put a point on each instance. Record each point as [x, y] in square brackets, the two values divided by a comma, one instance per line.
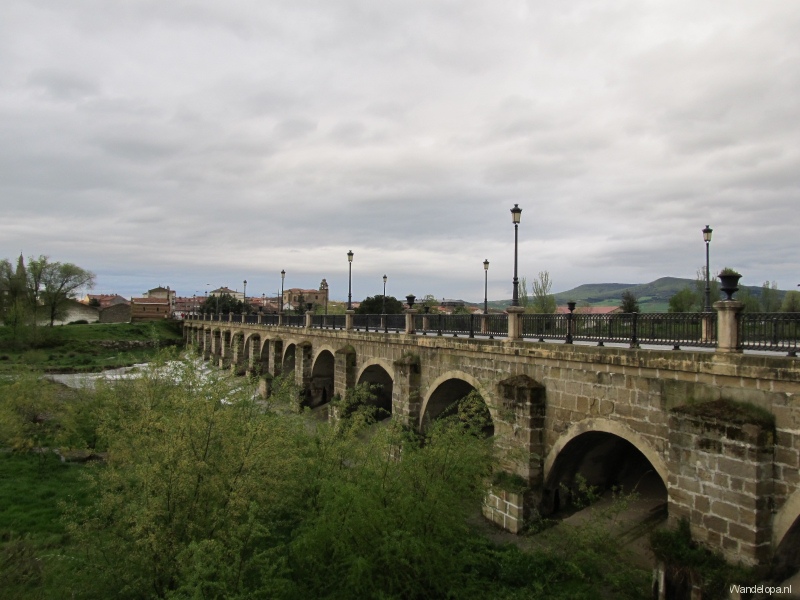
[85, 347]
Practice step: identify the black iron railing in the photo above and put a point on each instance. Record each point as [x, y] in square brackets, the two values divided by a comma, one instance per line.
[770, 331]
[494, 325]
[294, 320]
[328, 321]
[779, 332]
[671, 329]
[269, 319]
[544, 327]
[367, 323]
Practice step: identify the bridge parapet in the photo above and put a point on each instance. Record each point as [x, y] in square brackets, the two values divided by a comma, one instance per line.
[727, 330]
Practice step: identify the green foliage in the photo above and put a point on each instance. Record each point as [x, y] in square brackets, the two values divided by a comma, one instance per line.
[28, 413]
[210, 492]
[685, 301]
[197, 475]
[629, 302]
[373, 305]
[791, 302]
[543, 302]
[432, 304]
[751, 303]
[686, 560]
[221, 304]
[89, 347]
[770, 297]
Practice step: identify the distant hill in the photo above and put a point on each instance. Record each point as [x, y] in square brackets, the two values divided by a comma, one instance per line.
[653, 296]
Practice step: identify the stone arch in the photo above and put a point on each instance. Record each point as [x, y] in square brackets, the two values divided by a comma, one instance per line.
[377, 372]
[606, 453]
[785, 518]
[320, 387]
[786, 537]
[447, 389]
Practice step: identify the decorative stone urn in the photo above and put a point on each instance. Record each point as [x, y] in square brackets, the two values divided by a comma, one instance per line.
[729, 282]
[410, 299]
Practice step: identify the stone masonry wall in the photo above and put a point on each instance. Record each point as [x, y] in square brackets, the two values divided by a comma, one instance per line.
[720, 480]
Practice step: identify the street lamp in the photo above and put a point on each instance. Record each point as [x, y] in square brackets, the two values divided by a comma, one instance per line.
[244, 293]
[486, 286]
[515, 216]
[384, 294]
[283, 276]
[707, 239]
[350, 281]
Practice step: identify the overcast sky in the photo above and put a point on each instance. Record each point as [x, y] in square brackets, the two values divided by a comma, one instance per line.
[187, 143]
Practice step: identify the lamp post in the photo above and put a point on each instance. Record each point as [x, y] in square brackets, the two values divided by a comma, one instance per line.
[486, 286]
[244, 304]
[384, 295]
[283, 276]
[350, 281]
[707, 239]
[515, 216]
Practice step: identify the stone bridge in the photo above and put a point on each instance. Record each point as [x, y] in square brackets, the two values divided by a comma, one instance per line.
[717, 433]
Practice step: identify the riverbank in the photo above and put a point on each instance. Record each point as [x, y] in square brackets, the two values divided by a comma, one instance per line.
[85, 348]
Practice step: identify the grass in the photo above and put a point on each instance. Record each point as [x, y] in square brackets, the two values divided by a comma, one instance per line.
[37, 557]
[85, 348]
[32, 488]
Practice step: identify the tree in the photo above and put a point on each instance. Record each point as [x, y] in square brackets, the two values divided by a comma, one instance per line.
[224, 303]
[522, 293]
[53, 284]
[751, 303]
[430, 301]
[770, 297]
[791, 302]
[14, 305]
[543, 301]
[629, 302]
[373, 305]
[700, 288]
[684, 301]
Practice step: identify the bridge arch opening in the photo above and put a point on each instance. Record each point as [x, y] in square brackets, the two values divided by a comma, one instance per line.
[786, 538]
[320, 388]
[288, 362]
[381, 384]
[454, 398]
[602, 461]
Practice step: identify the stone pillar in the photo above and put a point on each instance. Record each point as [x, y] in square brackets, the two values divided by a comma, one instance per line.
[275, 356]
[303, 365]
[728, 325]
[406, 398]
[280, 318]
[515, 322]
[206, 344]
[410, 313]
[236, 350]
[216, 339]
[348, 320]
[344, 372]
[721, 478]
[260, 319]
[309, 318]
[251, 355]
